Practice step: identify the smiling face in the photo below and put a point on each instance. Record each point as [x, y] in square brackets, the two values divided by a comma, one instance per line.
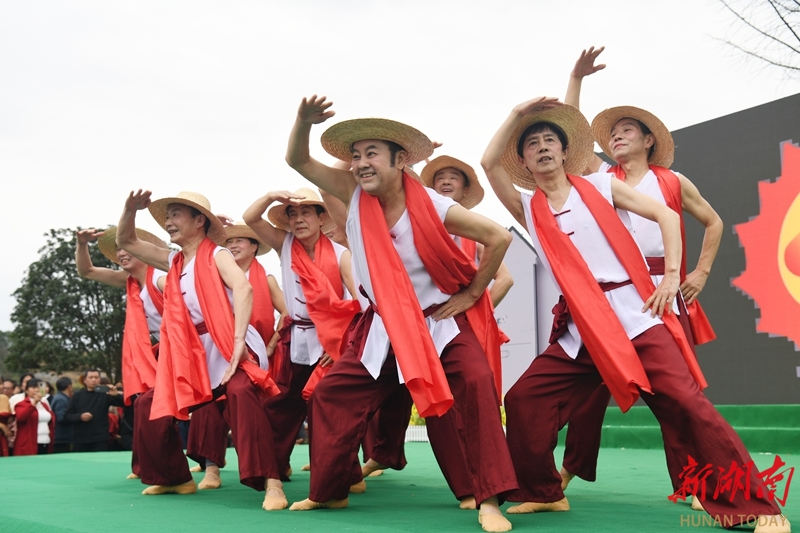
[374, 166]
[243, 249]
[629, 142]
[182, 226]
[304, 221]
[450, 182]
[127, 262]
[543, 152]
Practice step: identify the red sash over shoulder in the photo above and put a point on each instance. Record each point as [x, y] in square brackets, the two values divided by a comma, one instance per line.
[670, 186]
[470, 248]
[182, 379]
[601, 331]
[138, 360]
[322, 288]
[263, 316]
[397, 302]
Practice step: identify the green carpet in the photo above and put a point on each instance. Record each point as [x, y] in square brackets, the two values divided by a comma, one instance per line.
[87, 493]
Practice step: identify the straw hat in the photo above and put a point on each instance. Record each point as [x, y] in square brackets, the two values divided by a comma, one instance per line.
[216, 231]
[277, 213]
[664, 151]
[107, 242]
[338, 139]
[579, 139]
[242, 230]
[473, 192]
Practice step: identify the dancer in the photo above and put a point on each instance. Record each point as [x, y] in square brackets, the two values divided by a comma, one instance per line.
[207, 346]
[614, 326]
[417, 280]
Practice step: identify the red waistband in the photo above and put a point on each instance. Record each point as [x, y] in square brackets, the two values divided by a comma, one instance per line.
[201, 328]
[656, 265]
[606, 286]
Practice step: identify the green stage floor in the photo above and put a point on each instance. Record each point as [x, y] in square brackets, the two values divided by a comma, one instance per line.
[89, 493]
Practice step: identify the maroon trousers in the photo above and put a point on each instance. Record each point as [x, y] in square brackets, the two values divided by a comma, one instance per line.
[444, 437]
[385, 439]
[159, 447]
[348, 396]
[208, 434]
[547, 395]
[585, 427]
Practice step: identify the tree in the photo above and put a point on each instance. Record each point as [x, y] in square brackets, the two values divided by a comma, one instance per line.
[3, 353]
[771, 29]
[63, 322]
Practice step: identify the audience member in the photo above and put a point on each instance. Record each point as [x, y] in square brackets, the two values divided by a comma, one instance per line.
[35, 422]
[59, 404]
[88, 411]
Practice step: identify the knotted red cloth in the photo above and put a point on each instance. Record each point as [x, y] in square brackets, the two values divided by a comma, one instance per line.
[670, 186]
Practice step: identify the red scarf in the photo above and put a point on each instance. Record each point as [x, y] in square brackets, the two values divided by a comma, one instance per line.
[397, 302]
[263, 315]
[182, 379]
[601, 331]
[670, 186]
[138, 360]
[470, 248]
[322, 288]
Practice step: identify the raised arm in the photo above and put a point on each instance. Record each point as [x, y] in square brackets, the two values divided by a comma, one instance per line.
[346, 273]
[495, 240]
[144, 251]
[499, 179]
[626, 198]
[699, 208]
[336, 209]
[339, 183]
[83, 261]
[584, 66]
[235, 279]
[254, 217]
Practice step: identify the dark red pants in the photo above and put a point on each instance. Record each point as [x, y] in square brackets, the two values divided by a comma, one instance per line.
[554, 386]
[208, 434]
[385, 439]
[585, 427]
[348, 396]
[251, 431]
[444, 437]
[158, 446]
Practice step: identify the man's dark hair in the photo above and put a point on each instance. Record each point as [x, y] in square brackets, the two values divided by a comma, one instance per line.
[33, 383]
[646, 131]
[63, 384]
[23, 376]
[14, 383]
[318, 208]
[540, 127]
[86, 372]
[196, 213]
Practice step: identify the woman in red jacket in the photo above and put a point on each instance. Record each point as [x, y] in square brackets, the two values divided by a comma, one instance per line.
[35, 423]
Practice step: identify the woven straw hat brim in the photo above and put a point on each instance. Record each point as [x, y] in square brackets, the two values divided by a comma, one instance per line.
[664, 151]
[338, 139]
[579, 139]
[277, 213]
[244, 231]
[107, 242]
[473, 194]
[216, 231]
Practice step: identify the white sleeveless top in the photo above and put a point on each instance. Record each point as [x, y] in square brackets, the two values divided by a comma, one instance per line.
[43, 428]
[577, 221]
[150, 312]
[428, 294]
[305, 348]
[217, 365]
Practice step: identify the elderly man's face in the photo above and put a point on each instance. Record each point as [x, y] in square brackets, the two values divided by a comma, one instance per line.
[8, 388]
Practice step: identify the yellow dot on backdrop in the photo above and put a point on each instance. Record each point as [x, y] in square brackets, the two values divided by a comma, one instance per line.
[790, 229]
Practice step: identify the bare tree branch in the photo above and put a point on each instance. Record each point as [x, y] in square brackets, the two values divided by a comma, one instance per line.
[762, 58]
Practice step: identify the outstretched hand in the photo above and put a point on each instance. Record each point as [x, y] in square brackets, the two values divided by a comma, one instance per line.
[314, 110]
[138, 200]
[585, 66]
[286, 197]
[85, 236]
[537, 105]
[225, 220]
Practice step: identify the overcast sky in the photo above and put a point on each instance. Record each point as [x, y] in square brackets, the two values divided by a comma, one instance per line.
[98, 98]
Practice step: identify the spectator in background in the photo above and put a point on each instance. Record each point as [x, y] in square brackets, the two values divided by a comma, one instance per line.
[59, 404]
[48, 392]
[5, 415]
[18, 396]
[8, 387]
[35, 422]
[88, 411]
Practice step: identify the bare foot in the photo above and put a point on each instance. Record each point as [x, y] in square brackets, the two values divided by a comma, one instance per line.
[306, 468]
[185, 488]
[491, 518]
[468, 503]
[773, 524]
[697, 505]
[196, 468]
[536, 507]
[308, 505]
[132, 476]
[289, 472]
[370, 467]
[274, 499]
[210, 481]
[566, 477]
[358, 488]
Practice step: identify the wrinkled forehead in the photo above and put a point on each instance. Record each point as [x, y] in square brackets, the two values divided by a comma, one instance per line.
[626, 121]
[171, 208]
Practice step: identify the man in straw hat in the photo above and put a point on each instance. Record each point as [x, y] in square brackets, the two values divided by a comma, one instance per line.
[613, 324]
[208, 347]
[143, 307]
[318, 283]
[643, 147]
[416, 279]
